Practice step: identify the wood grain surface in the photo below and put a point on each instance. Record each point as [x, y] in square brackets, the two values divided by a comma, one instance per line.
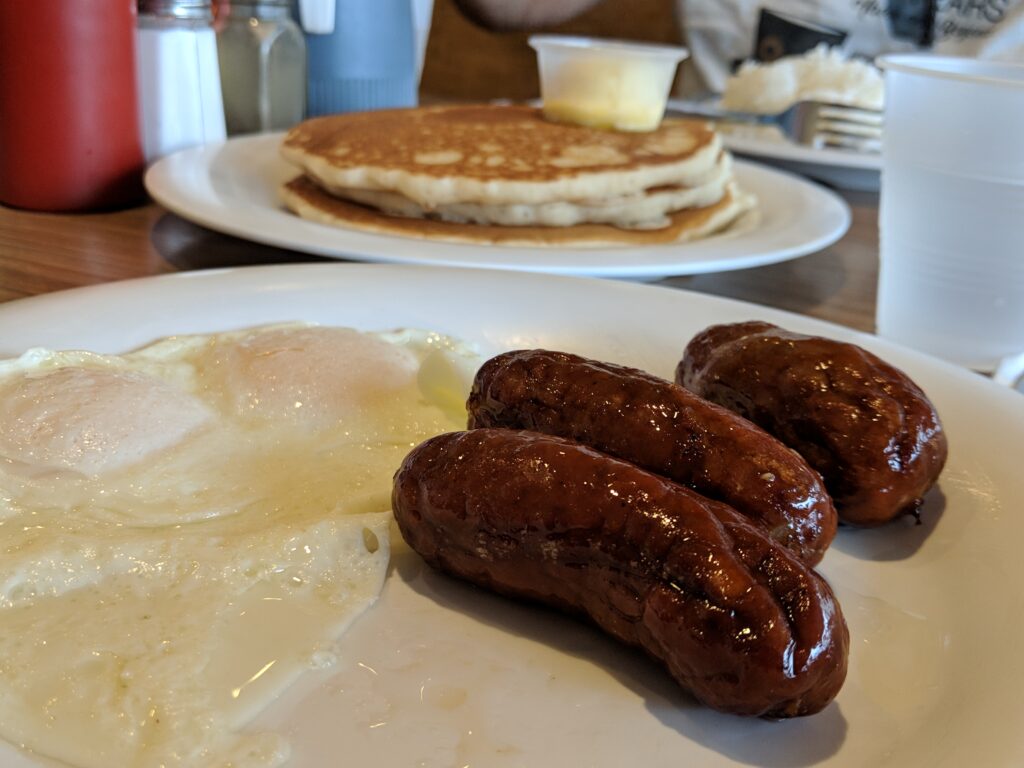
[42, 252]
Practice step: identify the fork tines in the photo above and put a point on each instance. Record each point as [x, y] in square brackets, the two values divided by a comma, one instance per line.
[820, 124]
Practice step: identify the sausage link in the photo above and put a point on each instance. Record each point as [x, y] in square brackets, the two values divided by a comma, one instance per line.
[662, 427]
[864, 425]
[734, 617]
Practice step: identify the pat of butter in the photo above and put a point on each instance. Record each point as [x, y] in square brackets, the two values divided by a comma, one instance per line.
[625, 95]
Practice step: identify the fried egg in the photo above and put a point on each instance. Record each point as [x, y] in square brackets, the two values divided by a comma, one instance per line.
[189, 526]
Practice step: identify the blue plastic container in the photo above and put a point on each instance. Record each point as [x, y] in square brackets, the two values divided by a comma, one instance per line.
[367, 62]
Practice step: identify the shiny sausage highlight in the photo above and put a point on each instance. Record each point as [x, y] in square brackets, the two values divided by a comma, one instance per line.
[864, 425]
[732, 615]
[664, 428]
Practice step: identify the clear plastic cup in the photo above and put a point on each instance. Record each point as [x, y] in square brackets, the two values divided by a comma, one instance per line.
[951, 219]
[605, 83]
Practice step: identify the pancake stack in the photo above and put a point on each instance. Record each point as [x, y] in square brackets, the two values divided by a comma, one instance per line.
[505, 175]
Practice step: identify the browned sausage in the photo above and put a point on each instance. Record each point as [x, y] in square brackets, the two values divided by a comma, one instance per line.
[864, 425]
[661, 427]
[734, 616]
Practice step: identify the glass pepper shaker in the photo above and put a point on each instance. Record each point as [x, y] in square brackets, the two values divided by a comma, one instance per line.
[262, 57]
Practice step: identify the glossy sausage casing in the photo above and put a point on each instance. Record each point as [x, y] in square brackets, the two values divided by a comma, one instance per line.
[734, 616]
[664, 428]
[863, 424]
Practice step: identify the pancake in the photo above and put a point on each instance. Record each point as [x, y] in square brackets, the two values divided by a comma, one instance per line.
[647, 210]
[309, 201]
[495, 155]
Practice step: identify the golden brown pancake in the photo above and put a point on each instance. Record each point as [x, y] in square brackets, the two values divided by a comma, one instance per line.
[495, 155]
[643, 210]
[304, 197]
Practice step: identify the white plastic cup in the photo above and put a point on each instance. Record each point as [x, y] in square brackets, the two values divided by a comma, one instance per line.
[605, 83]
[951, 217]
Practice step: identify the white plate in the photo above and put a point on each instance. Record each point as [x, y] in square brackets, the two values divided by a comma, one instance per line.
[232, 187]
[439, 674]
[845, 169]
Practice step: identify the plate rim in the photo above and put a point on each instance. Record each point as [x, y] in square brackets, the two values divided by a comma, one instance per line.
[791, 152]
[262, 273]
[167, 183]
[794, 153]
[258, 281]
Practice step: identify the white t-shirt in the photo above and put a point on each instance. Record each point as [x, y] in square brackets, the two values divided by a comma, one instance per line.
[722, 33]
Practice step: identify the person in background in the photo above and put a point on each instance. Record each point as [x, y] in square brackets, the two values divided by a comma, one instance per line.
[723, 33]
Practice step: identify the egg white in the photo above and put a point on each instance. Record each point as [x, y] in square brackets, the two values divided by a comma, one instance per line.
[188, 526]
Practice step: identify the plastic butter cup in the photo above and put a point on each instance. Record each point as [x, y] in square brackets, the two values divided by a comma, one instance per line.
[605, 83]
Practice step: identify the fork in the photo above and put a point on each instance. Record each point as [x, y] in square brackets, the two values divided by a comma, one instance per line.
[818, 124]
[812, 123]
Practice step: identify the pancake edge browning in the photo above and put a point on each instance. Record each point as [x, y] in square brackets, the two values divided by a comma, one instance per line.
[305, 198]
[426, 155]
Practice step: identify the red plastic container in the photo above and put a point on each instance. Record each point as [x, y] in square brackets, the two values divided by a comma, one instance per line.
[69, 122]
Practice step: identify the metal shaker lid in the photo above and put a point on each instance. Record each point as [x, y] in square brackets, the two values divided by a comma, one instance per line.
[177, 9]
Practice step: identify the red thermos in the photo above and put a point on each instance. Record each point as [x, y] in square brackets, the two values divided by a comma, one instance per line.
[69, 118]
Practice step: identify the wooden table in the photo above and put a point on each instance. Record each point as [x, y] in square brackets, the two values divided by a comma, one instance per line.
[41, 252]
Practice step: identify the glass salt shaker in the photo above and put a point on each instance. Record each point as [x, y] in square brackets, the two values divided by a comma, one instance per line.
[263, 67]
[179, 82]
